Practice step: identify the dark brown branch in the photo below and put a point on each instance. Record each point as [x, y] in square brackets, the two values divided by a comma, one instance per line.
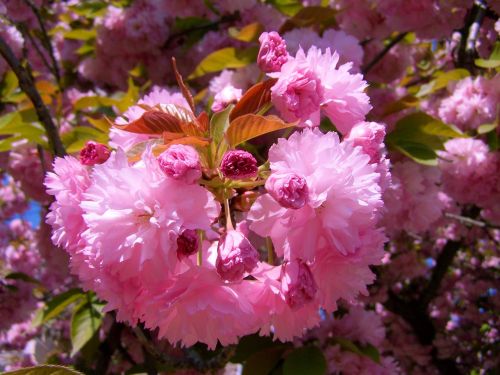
[415, 312]
[467, 49]
[443, 262]
[382, 53]
[27, 84]
[46, 41]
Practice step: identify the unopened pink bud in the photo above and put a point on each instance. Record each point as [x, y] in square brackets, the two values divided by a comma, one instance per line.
[94, 153]
[181, 162]
[235, 256]
[272, 53]
[288, 189]
[238, 164]
[297, 284]
[187, 243]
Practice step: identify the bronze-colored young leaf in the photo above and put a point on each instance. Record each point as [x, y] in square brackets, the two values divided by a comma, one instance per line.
[189, 140]
[250, 126]
[184, 89]
[254, 99]
[322, 17]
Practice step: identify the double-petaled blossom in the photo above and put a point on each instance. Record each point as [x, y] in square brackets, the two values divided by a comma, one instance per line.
[311, 83]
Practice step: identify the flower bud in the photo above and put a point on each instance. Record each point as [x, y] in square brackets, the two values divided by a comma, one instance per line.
[288, 189]
[181, 162]
[272, 53]
[370, 137]
[238, 164]
[187, 243]
[235, 256]
[94, 153]
[297, 284]
[229, 94]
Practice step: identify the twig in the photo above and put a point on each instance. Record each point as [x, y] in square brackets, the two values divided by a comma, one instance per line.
[382, 53]
[46, 42]
[26, 83]
[467, 48]
[443, 262]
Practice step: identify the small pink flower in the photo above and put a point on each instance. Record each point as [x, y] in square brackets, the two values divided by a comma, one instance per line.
[288, 189]
[229, 94]
[181, 162]
[272, 53]
[297, 284]
[187, 243]
[94, 153]
[238, 164]
[235, 256]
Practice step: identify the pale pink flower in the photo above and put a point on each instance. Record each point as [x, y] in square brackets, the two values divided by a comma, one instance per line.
[473, 102]
[412, 202]
[308, 83]
[229, 94]
[199, 306]
[345, 45]
[470, 172]
[67, 183]
[135, 213]
[343, 200]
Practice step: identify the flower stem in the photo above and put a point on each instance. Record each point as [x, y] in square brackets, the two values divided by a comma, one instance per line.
[270, 251]
[199, 257]
[227, 211]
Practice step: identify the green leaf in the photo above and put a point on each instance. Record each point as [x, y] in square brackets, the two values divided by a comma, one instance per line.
[76, 139]
[251, 344]
[44, 370]
[264, 361]
[9, 85]
[90, 9]
[366, 350]
[321, 17]
[219, 124]
[248, 33]
[225, 58]
[486, 128]
[57, 305]
[22, 276]
[86, 320]
[306, 360]
[287, 7]
[80, 34]
[94, 101]
[493, 142]
[419, 136]
[441, 80]
[493, 61]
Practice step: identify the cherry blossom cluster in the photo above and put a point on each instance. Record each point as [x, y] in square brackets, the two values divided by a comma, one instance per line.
[148, 235]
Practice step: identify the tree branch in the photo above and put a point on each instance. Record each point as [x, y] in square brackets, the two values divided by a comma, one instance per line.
[46, 42]
[382, 53]
[26, 83]
[467, 48]
[415, 312]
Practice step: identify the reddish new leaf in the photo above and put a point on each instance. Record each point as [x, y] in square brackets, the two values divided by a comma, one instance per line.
[254, 99]
[250, 126]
